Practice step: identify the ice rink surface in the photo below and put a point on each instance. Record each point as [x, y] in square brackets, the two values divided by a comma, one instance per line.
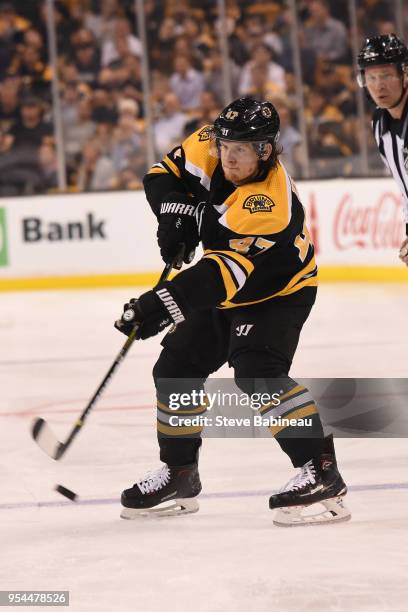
[55, 348]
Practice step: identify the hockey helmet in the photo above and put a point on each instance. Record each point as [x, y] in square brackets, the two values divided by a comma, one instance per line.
[248, 120]
[378, 50]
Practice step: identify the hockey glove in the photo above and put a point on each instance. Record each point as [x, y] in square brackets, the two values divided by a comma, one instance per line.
[151, 312]
[177, 226]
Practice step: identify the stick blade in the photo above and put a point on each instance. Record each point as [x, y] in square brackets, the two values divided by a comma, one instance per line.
[45, 438]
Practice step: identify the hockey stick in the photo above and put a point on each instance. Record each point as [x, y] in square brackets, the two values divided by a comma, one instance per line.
[41, 431]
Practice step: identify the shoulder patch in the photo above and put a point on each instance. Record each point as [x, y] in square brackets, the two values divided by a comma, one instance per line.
[205, 133]
[258, 203]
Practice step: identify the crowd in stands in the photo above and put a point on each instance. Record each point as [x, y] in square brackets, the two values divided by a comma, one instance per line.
[101, 92]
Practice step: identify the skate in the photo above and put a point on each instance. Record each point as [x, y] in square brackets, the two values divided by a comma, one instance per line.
[315, 495]
[168, 491]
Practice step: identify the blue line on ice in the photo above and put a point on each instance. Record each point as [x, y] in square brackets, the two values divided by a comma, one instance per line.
[222, 495]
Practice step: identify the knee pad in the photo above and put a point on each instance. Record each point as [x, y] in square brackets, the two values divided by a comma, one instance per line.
[172, 365]
[260, 371]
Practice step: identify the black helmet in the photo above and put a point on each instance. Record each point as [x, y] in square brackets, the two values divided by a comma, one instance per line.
[248, 120]
[384, 49]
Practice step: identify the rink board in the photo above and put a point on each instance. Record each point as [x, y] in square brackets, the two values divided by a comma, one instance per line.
[108, 239]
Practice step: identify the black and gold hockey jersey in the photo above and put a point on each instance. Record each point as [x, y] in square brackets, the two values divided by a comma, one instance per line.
[255, 240]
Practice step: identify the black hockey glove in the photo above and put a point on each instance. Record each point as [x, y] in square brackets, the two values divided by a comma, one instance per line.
[151, 312]
[177, 226]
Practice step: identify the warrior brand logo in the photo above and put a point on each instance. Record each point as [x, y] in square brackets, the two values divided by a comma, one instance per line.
[243, 330]
[177, 208]
[205, 133]
[258, 203]
[171, 305]
[231, 115]
[3, 238]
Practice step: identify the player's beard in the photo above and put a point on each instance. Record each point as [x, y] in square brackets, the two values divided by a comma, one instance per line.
[236, 177]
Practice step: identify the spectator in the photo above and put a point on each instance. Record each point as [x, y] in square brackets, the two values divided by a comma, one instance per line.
[214, 76]
[80, 130]
[162, 54]
[96, 171]
[198, 38]
[35, 75]
[262, 87]
[208, 111]
[329, 143]
[290, 139]
[262, 58]
[6, 140]
[318, 110]
[102, 24]
[187, 83]
[169, 127]
[48, 167]
[127, 139]
[104, 108]
[30, 130]
[9, 103]
[86, 56]
[125, 70]
[257, 31]
[121, 32]
[325, 35]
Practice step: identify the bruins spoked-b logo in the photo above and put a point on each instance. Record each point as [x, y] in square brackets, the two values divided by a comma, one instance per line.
[205, 133]
[258, 203]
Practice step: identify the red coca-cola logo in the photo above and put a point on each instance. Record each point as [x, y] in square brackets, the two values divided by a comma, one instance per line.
[378, 227]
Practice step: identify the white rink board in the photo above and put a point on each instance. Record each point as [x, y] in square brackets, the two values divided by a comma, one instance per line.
[118, 235]
[352, 222]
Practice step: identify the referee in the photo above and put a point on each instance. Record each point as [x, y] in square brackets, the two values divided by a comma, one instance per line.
[382, 70]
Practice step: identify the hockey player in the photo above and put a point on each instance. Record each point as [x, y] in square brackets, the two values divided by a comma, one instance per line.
[382, 71]
[244, 302]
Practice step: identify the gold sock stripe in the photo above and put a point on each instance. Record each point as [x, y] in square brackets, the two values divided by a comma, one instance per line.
[170, 431]
[199, 410]
[300, 413]
[295, 391]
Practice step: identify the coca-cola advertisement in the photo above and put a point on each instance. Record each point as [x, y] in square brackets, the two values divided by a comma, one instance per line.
[354, 222]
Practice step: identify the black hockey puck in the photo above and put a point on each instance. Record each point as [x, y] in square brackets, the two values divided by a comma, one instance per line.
[66, 493]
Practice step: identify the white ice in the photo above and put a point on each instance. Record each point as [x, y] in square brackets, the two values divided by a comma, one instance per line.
[55, 347]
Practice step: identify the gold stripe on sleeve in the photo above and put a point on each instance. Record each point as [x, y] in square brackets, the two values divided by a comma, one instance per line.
[229, 284]
[172, 166]
[156, 170]
[243, 261]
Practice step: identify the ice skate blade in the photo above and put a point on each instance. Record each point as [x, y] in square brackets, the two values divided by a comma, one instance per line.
[178, 507]
[335, 512]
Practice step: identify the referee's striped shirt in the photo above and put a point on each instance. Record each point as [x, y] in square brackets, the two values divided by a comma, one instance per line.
[391, 136]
